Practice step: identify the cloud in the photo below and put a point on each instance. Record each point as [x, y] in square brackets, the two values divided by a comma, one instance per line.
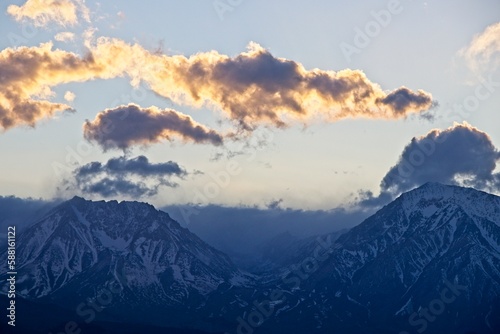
[401, 100]
[21, 212]
[69, 96]
[252, 88]
[121, 15]
[108, 187]
[255, 87]
[243, 230]
[138, 166]
[483, 53]
[43, 12]
[65, 36]
[133, 177]
[460, 155]
[27, 75]
[128, 125]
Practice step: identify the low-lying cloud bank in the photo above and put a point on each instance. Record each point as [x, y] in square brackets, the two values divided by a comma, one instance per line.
[22, 212]
[242, 230]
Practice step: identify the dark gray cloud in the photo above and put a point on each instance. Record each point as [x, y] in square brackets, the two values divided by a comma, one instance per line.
[120, 176]
[108, 187]
[403, 99]
[139, 166]
[460, 155]
[129, 125]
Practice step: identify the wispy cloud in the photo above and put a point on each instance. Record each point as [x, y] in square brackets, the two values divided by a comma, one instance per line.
[483, 53]
[129, 125]
[126, 177]
[64, 36]
[43, 12]
[461, 155]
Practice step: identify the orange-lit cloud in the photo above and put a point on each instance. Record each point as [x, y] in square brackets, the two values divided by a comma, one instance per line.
[43, 12]
[27, 75]
[252, 88]
[129, 125]
[256, 87]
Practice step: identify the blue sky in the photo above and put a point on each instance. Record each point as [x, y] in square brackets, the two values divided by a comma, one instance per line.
[311, 163]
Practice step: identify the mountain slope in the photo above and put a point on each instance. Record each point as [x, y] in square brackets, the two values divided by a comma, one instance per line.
[427, 262]
[401, 259]
[85, 249]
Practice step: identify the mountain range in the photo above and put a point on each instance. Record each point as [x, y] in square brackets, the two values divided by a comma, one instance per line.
[427, 262]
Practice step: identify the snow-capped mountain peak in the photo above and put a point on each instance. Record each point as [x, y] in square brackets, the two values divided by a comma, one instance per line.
[89, 242]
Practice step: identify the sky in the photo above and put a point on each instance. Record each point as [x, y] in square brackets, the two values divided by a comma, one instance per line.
[287, 104]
